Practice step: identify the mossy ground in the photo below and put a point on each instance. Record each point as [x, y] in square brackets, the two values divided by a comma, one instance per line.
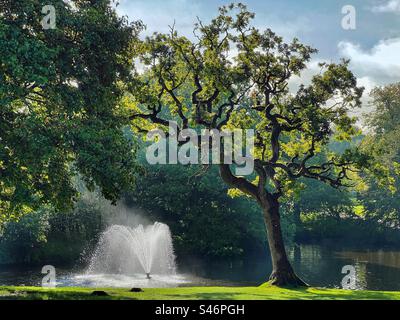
[264, 292]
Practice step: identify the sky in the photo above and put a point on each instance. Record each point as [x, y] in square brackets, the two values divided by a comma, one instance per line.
[373, 47]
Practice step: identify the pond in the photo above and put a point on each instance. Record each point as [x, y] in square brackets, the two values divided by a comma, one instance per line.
[318, 265]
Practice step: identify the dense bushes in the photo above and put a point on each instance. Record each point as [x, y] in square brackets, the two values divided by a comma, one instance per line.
[21, 241]
[349, 231]
[51, 237]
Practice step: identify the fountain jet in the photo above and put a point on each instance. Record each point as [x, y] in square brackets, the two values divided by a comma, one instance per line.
[126, 250]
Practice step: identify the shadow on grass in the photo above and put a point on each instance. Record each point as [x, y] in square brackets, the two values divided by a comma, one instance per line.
[59, 295]
[288, 294]
[260, 293]
[352, 294]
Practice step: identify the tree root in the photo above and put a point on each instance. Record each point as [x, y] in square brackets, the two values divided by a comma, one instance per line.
[286, 279]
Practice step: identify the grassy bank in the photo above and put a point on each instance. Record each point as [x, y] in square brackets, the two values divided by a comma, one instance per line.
[264, 292]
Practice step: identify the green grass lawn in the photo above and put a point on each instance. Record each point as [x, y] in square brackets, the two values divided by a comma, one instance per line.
[264, 292]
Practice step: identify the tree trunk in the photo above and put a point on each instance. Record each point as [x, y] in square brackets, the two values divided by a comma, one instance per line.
[282, 271]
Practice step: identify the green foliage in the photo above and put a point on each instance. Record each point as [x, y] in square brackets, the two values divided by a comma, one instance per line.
[20, 241]
[59, 98]
[203, 218]
[385, 118]
[317, 197]
[382, 198]
[346, 216]
[46, 235]
[348, 231]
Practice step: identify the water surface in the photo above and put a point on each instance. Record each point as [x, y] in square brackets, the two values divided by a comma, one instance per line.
[376, 269]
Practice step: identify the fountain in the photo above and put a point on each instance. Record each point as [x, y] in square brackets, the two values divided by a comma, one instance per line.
[132, 251]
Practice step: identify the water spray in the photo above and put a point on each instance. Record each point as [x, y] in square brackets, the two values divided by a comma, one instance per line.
[138, 250]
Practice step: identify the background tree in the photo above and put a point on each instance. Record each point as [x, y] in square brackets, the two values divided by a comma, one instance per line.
[316, 197]
[320, 198]
[59, 112]
[50, 236]
[381, 202]
[21, 240]
[238, 77]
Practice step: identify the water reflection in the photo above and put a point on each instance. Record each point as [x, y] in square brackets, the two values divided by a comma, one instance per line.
[318, 265]
[375, 269]
[380, 257]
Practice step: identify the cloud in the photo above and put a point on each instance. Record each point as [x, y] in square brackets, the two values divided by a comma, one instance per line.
[381, 63]
[390, 6]
[377, 66]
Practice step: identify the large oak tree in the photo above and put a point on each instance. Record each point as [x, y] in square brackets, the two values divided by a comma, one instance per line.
[233, 75]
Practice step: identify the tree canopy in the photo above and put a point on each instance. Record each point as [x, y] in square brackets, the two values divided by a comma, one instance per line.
[236, 76]
[59, 103]
[383, 143]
